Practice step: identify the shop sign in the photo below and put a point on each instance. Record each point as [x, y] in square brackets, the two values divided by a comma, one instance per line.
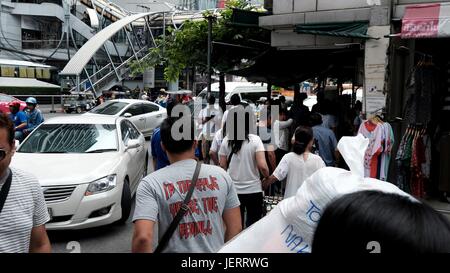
[426, 21]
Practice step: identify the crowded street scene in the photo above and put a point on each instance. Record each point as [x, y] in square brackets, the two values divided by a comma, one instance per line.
[225, 126]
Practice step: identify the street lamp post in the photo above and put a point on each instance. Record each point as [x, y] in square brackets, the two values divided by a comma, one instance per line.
[210, 21]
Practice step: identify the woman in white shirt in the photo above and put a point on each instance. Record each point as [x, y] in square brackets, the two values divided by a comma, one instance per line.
[244, 159]
[216, 143]
[298, 165]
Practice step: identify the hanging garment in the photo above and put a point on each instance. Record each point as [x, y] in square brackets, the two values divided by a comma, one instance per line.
[426, 166]
[423, 83]
[417, 177]
[387, 144]
[403, 162]
[374, 133]
[444, 172]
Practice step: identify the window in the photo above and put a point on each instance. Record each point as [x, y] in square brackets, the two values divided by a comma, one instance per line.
[5, 98]
[148, 108]
[134, 110]
[134, 133]
[71, 138]
[129, 131]
[109, 108]
[125, 130]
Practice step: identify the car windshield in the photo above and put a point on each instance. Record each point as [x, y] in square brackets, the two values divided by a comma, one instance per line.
[71, 138]
[109, 108]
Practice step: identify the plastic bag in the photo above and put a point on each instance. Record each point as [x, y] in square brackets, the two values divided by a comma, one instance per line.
[289, 228]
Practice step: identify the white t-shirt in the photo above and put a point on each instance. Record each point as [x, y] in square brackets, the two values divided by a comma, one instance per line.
[281, 132]
[297, 170]
[160, 195]
[217, 141]
[214, 124]
[243, 168]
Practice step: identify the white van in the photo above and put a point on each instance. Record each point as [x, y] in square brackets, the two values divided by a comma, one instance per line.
[247, 91]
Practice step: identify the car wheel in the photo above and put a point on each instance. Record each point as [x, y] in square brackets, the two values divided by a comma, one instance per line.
[68, 111]
[79, 110]
[125, 202]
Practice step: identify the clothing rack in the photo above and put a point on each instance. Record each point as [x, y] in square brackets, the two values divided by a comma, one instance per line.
[412, 160]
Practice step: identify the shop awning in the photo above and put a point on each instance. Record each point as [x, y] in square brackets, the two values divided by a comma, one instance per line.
[345, 29]
[24, 82]
[286, 67]
[426, 21]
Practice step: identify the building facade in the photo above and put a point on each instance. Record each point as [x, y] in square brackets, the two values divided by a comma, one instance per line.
[401, 54]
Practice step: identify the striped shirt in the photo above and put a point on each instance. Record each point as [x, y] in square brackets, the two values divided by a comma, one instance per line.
[24, 209]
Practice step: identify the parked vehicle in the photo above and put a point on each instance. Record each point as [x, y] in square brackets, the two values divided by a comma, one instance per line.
[145, 115]
[78, 102]
[6, 99]
[117, 92]
[89, 168]
[247, 91]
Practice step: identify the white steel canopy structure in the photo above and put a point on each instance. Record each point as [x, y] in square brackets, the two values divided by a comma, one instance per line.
[77, 63]
[115, 71]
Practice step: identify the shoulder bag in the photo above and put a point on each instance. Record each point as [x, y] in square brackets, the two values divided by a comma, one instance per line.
[5, 190]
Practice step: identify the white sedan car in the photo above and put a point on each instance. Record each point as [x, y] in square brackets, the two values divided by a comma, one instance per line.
[144, 114]
[89, 168]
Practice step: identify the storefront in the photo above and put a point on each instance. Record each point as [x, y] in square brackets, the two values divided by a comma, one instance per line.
[419, 94]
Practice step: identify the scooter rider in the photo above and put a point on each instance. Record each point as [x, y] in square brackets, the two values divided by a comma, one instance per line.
[34, 115]
[19, 119]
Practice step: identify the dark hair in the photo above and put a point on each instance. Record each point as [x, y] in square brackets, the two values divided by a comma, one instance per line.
[211, 99]
[325, 107]
[302, 96]
[171, 102]
[234, 142]
[315, 119]
[235, 99]
[176, 146]
[320, 95]
[6, 123]
[224, 130]
[358, 105]
[303, 136]
[395, 222]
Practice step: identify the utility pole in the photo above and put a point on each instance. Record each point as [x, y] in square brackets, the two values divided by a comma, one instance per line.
[210, 22]
[67, 27]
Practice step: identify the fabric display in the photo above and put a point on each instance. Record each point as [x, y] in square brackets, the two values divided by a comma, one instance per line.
[414, 160]
[422, 87]
[378, 153]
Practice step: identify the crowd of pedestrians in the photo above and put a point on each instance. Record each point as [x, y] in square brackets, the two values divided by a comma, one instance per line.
[202, 195]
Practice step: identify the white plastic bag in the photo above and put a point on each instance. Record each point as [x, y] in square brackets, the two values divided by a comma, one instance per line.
[289, 228]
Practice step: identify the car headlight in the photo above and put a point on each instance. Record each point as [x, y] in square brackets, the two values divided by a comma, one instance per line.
[101, 185]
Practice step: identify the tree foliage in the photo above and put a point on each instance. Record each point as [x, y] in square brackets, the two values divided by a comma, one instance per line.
[186, 47]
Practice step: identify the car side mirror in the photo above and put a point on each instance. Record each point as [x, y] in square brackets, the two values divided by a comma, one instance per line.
[17, 144]
[127, 115]
[132, 144]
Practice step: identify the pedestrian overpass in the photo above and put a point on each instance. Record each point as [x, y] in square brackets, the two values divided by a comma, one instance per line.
[117, 67]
